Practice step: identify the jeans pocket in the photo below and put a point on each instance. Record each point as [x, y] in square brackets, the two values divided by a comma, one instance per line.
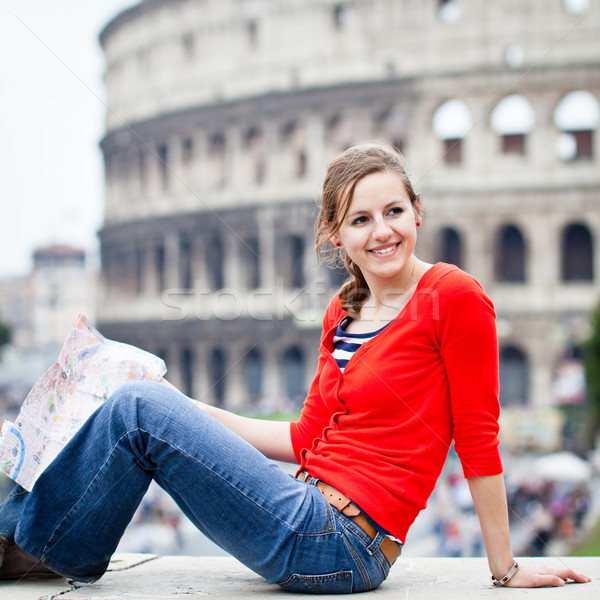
[329, 583]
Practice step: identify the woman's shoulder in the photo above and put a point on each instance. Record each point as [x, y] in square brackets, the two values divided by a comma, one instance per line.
[452, 280]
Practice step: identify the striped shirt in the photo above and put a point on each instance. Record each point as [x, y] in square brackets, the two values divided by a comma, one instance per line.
[346, 344]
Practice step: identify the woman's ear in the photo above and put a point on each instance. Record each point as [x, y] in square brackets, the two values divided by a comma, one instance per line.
[335, 240]
[418, 210]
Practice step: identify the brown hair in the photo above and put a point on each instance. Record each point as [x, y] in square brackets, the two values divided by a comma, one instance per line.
[343, 173]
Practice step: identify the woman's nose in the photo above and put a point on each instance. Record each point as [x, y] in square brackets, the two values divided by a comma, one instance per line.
[381, 230]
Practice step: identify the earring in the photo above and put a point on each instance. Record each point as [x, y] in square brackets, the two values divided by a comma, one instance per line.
[338, 244]
[418, 223]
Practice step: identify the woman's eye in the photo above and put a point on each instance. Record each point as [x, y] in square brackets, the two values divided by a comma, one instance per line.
[359, 220]
[396, 210]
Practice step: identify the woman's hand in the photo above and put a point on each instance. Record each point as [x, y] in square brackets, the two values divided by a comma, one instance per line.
[544, 577]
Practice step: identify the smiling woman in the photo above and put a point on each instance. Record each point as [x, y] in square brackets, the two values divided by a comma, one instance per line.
[393, 390]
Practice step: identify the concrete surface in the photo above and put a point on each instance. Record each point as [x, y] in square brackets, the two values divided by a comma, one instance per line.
[144, 577]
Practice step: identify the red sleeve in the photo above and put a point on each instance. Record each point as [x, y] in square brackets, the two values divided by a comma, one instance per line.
[315, 416]
[466, 332]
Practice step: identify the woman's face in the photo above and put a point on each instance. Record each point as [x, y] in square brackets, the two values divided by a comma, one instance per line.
[379, 232]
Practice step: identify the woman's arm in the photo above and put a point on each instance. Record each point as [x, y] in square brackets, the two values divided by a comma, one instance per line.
[489, 497]
[272, 438]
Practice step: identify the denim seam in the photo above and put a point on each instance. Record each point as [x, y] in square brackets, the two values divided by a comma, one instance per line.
[351, 527]
[359, 563]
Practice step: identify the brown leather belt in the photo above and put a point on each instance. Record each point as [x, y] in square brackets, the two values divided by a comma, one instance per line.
[391, 550]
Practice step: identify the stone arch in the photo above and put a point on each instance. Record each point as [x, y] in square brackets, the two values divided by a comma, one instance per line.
[576, 116]
[186, 264]
[510, 254]
[294, 144]
[452, 121]
[187, 371]
[512, 119]
[254, 143]
[391, 124]
[577, 253]
[293, 370]
[214, 263]
[450, 247]
[514, 377]
[339, 133]
[249, 258]
[253, 374]
[291, 261]
[217, 368]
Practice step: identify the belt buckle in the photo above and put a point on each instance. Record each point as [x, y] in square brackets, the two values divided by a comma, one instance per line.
[303, 476]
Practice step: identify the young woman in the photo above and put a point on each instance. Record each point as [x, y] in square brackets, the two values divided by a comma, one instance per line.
[408, 363]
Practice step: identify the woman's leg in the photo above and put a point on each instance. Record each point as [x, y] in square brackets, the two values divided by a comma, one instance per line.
[78, 509]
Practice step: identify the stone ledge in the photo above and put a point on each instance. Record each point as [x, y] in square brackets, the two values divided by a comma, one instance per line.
[142, 577]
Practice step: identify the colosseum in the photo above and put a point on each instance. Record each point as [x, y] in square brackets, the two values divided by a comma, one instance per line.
[222, 116]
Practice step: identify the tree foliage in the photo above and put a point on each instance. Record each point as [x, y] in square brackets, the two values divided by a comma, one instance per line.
[592, 367]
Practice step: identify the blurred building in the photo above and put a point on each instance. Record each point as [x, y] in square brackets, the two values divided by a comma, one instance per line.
[61, 287]
[40, 309]
[224, 113]
[41, 306]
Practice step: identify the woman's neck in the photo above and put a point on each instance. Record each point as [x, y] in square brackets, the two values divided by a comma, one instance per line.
[389, 296]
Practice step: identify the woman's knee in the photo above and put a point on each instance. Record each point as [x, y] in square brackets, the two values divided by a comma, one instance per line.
[144, 400]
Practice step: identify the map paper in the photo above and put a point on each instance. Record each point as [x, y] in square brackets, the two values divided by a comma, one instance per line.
[89, 368]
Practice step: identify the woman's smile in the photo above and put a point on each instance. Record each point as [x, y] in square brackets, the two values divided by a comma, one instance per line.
[385, 250]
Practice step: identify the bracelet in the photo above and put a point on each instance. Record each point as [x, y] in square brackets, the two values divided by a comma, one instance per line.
[504, 580]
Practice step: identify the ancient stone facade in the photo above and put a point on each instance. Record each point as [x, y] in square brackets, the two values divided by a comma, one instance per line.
[223, 115]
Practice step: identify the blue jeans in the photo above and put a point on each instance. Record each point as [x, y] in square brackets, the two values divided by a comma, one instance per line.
[281, 528]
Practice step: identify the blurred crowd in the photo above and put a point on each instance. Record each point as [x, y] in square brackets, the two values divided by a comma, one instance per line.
[546, 516]
[551, 511]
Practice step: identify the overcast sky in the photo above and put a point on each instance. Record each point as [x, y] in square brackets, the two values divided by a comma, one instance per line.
[51, 120]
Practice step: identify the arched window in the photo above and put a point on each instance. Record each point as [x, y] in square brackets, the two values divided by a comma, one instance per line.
[253, 374]
[449, 10]
[187, 371]
[339, 133]
[255, 147]
[159, 266]
[510, 255]
[217, 159]
[576, 7]
[214, 263]
[451, 123]
[577, 115]
[512, 119]
[162, 156]
[139, 257]
[185, 264]
[451, 247]
[249, 253]
[291, 261]
[294, 159]
[514, 377]
[391, 125]
[216, 368]
[293, 374]
[577, 253]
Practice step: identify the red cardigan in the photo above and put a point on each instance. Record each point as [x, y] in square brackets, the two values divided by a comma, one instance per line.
[380, 432]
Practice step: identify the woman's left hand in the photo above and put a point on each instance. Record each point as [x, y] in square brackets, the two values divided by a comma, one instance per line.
[544, 577]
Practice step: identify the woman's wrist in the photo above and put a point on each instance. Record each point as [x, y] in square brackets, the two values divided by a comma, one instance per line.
[508, 575]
